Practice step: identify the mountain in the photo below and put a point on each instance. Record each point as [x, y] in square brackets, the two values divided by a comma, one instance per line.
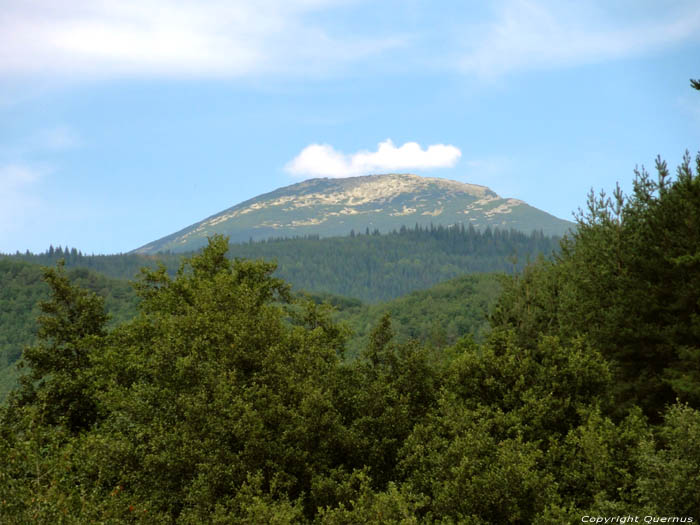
[329, 207]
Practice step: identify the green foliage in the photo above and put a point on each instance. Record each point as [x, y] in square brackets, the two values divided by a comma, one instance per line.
[381, 396]
[438, 316]
[371, 267]
[21, 291]
[669, 464]
[481, 456]
[530, 303]
[218, 386]
[118, 266]
[628, 280]
[391, 506]
[600, 460]
[71, 331]
[380, 267]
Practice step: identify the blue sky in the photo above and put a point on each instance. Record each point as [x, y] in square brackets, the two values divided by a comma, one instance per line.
[124, 121]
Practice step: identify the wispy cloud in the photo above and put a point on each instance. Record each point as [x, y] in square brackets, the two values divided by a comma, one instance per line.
[234, 38]
[188, 37]
[544, 34]
[323, 160]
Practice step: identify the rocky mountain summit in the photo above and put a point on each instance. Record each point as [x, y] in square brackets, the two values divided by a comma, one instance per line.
[329, 207]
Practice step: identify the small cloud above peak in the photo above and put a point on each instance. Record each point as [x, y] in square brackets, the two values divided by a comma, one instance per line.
[322, 160]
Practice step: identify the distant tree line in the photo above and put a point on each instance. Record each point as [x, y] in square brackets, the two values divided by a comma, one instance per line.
[370, 266]
[119, 266]
[377, 266]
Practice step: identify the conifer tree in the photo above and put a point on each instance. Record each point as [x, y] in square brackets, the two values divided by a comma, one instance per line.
[71, 331]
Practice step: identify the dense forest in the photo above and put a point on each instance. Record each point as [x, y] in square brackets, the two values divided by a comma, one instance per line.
[367, 266]
[226, 399]
[440, 314]
[22, 288]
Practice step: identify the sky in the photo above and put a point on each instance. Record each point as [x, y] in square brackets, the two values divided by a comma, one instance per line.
[123, 121]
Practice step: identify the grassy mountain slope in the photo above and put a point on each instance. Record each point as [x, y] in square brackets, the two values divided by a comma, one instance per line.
[332, 207]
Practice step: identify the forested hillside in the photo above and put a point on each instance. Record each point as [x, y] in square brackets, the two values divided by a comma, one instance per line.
[438, 316]
[22, 288]
[368, 266]
[225, 400]
[376, 267]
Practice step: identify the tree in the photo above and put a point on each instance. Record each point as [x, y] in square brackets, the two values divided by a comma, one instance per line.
[481, 456]
[71, 333]
[220, 377]
[628, 280]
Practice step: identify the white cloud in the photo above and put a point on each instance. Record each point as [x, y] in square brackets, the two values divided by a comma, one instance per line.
[540, 35]
[77, 38]
[188, 37]
[323, 160]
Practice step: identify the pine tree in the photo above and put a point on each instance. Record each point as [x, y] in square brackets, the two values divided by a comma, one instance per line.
[71, 332]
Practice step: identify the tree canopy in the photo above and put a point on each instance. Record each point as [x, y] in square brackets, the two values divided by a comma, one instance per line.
[628, 279]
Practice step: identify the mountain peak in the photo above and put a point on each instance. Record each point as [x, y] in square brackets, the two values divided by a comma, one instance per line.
[393, 184]
[335, 206]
